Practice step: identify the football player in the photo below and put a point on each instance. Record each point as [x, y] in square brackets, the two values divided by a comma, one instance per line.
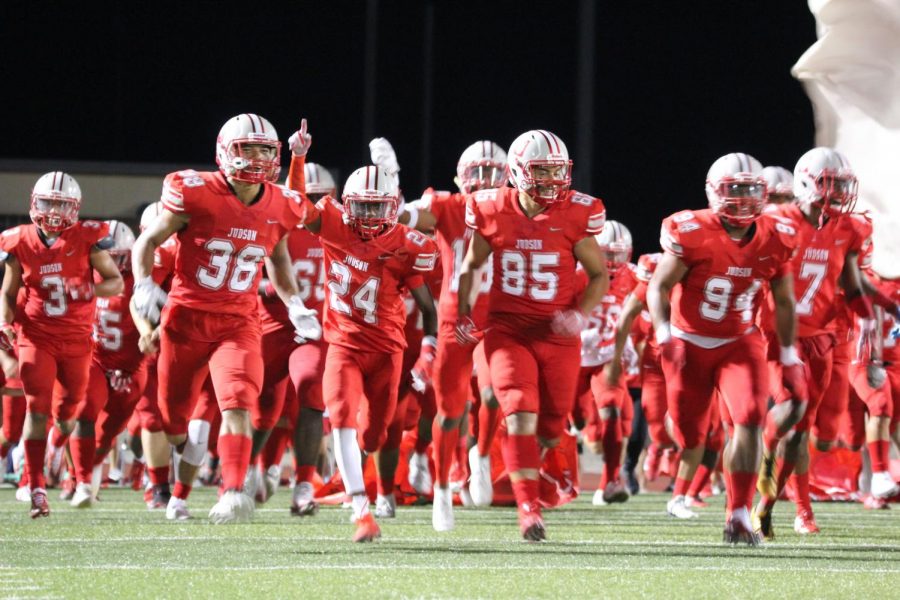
[55, 260]
[481, 166]
[829, 242]
[370, 261]
[714, 263]
[228, 222]
[538, 230]
[609, 393]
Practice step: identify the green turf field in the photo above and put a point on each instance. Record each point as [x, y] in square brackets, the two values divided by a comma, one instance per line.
[118, 549]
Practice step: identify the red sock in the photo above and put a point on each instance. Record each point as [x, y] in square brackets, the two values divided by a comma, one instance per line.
[445, 443]
[182, 490]
[521, 452]
[526, 492]
[4, 450]
[462, 457]
[681, 487]
[158, 475]
[234, 457]
[878, 454]
[770, 434]
[612, 449]
[273, 451]
[488, 420]
[57, 439]
[34, 462]
[742, 494]
[305, 473]
[801, 480]
[701, 478]
[82, 449]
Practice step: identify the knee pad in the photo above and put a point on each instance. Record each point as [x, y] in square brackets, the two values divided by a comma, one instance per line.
[197, 442]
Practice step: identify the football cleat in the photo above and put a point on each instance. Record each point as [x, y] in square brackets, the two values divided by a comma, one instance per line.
[766, 483]
[631, 482]
[677, 508]
[805, 523]
[531, 524]
[159, 497]
[872, 503]
[419, 473]
[386, 506]
[883, 485]
[481, 486]
[39, 505]
[367, 529]
[695, 502]
[23, 493]
[598, 500]
[177, 509]
[253, 484]
[615, 492]
[271, 479]
[762, 523]
[67, 489]
[465, 497]
[738, 529]
[233, 507]
[442, 511]
[82, 497]
[303, 503]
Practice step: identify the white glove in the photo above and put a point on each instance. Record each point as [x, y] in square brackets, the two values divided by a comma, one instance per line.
[875, 374]
[305, 321]
[119, 381]
[590, 338]
[383, 155]
[568, 323]
[148, 299]
[300, 141]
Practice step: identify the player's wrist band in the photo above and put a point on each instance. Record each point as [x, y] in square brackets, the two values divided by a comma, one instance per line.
[663, 333]
[789, 356]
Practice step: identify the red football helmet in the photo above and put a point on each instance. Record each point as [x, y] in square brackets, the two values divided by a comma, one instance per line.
[55, 202]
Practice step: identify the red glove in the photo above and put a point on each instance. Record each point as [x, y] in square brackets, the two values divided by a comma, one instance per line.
[467, 332]
[794, 374]
[422, 370]
[7, 338]
[79, 290]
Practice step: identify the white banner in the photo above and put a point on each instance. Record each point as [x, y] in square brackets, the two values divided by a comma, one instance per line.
[852, 77]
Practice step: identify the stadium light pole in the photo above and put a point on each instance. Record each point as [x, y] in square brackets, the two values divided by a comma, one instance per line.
[584, 98]
[369, 80]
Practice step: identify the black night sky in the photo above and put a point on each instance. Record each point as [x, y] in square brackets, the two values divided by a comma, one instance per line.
[676, 84]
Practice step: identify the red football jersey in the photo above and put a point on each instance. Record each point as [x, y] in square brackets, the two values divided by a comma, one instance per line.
[48, 311]
[605, 316]
[306, 259]
[452, 237]
[891, 289]
[366, 281]
[217, 266]
[115, 335]
[164, 263]
[719, 296]
[534, 258]
[818, 264]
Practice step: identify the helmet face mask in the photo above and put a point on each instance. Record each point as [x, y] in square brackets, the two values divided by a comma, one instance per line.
[539, 166]
[371, 202]
[736, 189]
[481, 166]
[823, 179]
[248, 150]
[55, 202]
[616, 244]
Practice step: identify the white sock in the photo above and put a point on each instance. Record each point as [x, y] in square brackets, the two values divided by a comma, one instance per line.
[349, 460]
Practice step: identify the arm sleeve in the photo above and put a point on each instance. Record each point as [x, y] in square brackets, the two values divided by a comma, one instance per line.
[596, 218]
[296, 179]
[172, 196]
